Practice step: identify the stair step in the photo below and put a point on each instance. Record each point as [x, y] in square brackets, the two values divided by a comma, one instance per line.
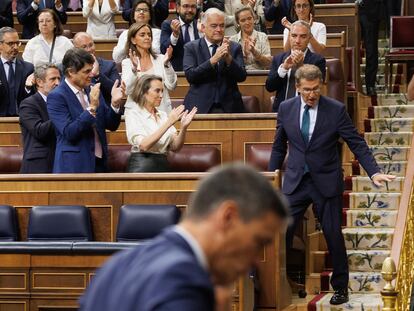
[390, 153]
[364, 184]
[368, 200]
[393, 99]
[397, 168]
[394, 125]
[396, 78]
[395, 111]
[366, 260]
[357, 302]
[317, 261]
[370, 218]
[368, 238]
[400, 139]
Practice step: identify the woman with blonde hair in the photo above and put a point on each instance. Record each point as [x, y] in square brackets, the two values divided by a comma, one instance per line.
[142, 60]
[150, 131]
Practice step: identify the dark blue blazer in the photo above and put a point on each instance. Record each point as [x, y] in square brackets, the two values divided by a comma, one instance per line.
[38, 133]
[276, 13]
[160, 11]
[205, 79]
[275, 83]
[107, 76]
[75, 146]
[27, 16]
[22, 71]
[178, 49]
[6, 14]
[321, 154]
[161, 275]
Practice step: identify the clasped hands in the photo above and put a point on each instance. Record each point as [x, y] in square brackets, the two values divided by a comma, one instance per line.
[117, 96]
[222, 52]
[295, 59]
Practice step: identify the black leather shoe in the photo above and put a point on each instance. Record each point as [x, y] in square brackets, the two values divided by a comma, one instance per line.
[371, 91]
[340, 296]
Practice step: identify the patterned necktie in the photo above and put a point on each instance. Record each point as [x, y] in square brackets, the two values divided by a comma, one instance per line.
[187, 33]
[98, 145]
[12, 89]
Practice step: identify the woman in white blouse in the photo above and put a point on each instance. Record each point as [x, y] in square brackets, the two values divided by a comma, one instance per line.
[305, 10]
[142, 60]
[141, 13]
[49, 46]
[100, 15]
[150, 131]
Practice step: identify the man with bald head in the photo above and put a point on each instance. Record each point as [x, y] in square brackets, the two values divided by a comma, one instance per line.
[104, 71]
[213, 66]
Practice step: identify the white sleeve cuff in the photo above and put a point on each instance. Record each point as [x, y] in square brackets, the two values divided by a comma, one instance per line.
[282, 72]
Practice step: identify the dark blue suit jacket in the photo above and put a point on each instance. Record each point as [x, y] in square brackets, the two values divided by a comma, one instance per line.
[75, 148]
[160, 11]
[6, 14]
[205, 80]
[22, 71]
[38, 132]
[275, 83]
[178, 49]
[107, 76]
[27, 16]
[321, 154]
[161, 275]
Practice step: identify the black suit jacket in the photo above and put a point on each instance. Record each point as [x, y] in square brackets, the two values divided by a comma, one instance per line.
[38, 133]
[321, 153]
[27, 16]
[22, 71]
[178, 49]
[275, 83]
[107, 76]
[205, 80]
[6, 14]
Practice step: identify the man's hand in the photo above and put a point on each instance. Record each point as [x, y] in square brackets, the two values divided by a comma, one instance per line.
[30, 81]
[94, 96]
[175, 27]
[223, 296]
[36, 2]
[379, 179]
[220, 53]
[95, 68]
[227, 57]
[118, 94]
[297, 57]
[58, 3]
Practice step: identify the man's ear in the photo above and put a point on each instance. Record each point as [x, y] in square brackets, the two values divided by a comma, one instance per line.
[228, 214]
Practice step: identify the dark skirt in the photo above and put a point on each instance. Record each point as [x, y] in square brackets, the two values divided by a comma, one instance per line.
[140, 162]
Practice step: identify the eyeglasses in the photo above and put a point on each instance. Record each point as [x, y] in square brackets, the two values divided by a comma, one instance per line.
[307, 91]
[12, 43]
[189, 7]
[142, 10]
[302, 6]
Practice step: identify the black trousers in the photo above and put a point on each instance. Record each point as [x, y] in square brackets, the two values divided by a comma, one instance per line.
[148, 162]
[329, 214]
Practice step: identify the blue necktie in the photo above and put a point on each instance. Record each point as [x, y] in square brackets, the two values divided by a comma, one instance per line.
[12, 89]
[187, 33]
[214, 46]
[305, 131]
[42, 4]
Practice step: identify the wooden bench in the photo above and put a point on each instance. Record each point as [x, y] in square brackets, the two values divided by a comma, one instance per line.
[103, 194]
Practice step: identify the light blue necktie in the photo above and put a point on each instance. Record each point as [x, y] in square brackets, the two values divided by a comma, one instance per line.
[42, 4]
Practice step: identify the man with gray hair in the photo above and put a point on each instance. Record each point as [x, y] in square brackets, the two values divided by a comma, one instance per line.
[38, 133]
[311, 125]
[213, 65]
[16, 77]
[281, 77]
[232, 216]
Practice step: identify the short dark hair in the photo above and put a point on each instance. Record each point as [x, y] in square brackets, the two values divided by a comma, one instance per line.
[134, 6]
[293, 14]
[58, 25]
[76, 59]
[237, 182]
[308, 72]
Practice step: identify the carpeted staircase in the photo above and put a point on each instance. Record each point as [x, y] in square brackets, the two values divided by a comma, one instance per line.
[369, 212]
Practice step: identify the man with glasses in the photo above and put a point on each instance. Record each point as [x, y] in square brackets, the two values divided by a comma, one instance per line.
[213, 65]
[16, 78]
[178, 32]
[281, 77]
[104, 71]
[311, 125]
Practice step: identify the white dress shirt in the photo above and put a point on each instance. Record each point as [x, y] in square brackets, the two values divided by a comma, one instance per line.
[174, 40]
